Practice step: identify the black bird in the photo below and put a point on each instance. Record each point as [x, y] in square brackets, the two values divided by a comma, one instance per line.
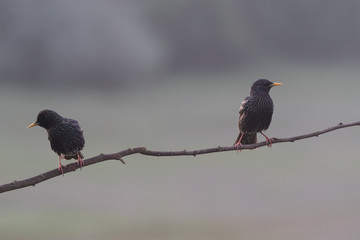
[255, 113]
[65, 136]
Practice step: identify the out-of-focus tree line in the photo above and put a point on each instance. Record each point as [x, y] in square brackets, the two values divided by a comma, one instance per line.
[113, 42]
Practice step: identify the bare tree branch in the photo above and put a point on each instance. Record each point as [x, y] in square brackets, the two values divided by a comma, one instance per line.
[142, 150]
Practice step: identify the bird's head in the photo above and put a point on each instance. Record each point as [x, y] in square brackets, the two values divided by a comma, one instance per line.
[46, 119]
[263, 85]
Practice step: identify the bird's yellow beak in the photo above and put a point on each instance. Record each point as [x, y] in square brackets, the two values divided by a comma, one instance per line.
[276, 84]
[32, 125]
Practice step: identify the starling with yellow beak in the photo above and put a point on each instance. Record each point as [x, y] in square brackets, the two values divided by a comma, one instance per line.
[255, 113]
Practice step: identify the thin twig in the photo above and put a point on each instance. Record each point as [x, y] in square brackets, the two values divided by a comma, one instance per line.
[142, 150]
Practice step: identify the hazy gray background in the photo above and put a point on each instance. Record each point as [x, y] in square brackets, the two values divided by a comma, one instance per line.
[170, 75]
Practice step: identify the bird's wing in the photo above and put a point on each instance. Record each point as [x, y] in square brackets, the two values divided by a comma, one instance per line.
[72, 122]
[241, 110]
[75, 129]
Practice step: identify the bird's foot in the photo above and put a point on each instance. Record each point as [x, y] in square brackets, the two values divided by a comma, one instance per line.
[238, 145]
[60, 168]
[268, 140]
[80, 162]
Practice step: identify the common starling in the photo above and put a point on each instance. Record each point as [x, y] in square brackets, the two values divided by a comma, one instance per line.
[65, 136]
[255, 113]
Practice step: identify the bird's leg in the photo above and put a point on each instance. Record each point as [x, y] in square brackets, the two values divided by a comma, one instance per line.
[80, 162]
[60, 168]
[238, 144]
[268, 140]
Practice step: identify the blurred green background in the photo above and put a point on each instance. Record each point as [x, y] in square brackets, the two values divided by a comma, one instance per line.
[170, 75]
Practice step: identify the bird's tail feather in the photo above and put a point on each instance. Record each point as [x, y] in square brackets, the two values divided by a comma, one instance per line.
[247, 139]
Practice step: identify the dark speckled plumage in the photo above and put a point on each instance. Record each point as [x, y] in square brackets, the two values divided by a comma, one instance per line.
[255, 112]
[65, 135]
